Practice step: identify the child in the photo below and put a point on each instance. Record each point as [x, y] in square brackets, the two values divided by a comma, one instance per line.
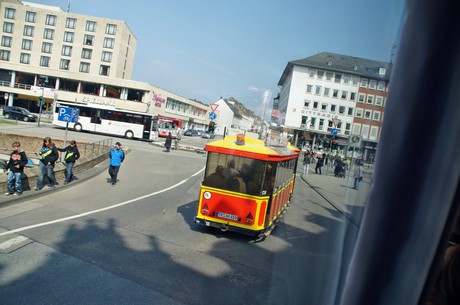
[15, 168]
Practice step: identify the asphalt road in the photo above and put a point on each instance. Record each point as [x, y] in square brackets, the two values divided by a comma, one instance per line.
[136, 243]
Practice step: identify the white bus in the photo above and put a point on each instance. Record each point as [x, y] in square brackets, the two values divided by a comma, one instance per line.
[111, 121]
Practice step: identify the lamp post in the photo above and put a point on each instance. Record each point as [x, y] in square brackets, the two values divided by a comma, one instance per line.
[6, 96]
[40, 101]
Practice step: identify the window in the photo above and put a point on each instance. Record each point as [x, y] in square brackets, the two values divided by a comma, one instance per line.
[350, 110]
[341, 109]
[8, 27]
[304, 120]
[367, 114]
[320, 74]
[66, 51]
[370, 99]
[44, 61]
[354, 80]
[315, 105]
[106, 56]
[309, 88]
[365, 131]
[338, 78]
[373, 133]
[333, 108]
[84, 67]
[71, 23]
[381, 86]
[323, 107]
[306, 104]
[25, 58]
[51, 20]
[69, 36]
[91, 26]
[88, 40]
[321, 124]
[4, 55]
[356, 128]
[47, 47]
[313, 122]
[31, 16]
[379, 100]
[318, 90]
[64, 64]
[329, 76]
[372, 84]
[26, 44]
[347, 128]
[10, 13]
[311, 72]
[359, 112]
[346, 79]
[327, 91]
[361, 97]
[352, 96]
[28, 31]
[109, 43]
[363, 82]
[335, 93]
[344, 95]
[48, 34]
[86, 53]
[376, 116]
[111, 29]
[6, 41]
[104, 70]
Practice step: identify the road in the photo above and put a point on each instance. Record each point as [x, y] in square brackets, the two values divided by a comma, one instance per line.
[136, 243]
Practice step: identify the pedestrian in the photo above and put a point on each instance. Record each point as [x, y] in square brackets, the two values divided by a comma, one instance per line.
[49, 155]
[14, 168]
[319, 163]
[168, 142]
[117, 156]
[177, 139]
[306, 162]
[358, 173]
[71, 156]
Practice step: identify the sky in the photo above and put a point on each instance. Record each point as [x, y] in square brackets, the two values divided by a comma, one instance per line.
[208, 49]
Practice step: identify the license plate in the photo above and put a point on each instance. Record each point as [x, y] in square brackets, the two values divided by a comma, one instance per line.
[227, 216]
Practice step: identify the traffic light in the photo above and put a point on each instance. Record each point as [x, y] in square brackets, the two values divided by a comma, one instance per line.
[212, 126]
[40, 101]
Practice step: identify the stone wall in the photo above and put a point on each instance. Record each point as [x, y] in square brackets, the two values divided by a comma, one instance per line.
[91, 155]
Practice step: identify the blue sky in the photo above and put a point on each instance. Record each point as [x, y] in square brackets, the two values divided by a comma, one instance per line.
[207, 49]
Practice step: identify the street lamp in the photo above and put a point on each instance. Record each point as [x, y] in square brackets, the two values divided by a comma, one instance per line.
[6, 96]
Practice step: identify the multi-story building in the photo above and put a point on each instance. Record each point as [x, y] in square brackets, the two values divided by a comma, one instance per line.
[83, 59]
[332, 91]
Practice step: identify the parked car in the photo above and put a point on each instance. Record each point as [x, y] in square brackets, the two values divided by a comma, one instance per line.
[191, 133]
[208, 135]
[200, 132]
[19, 113]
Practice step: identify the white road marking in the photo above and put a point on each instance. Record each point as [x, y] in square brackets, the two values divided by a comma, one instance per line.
[99, 210]
[12, 242]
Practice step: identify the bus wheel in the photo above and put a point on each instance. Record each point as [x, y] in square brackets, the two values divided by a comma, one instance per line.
[77, 127]
[129, 134]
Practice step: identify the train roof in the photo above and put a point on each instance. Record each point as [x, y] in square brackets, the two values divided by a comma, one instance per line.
[252, 148]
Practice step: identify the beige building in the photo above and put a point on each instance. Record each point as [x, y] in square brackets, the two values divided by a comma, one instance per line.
[77, 58]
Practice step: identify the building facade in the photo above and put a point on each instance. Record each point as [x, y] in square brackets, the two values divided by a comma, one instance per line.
[331, 91]
[62, 56]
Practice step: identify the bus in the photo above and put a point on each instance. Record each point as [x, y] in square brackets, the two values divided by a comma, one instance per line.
[247, 185]
[168, 125]
[111, 121]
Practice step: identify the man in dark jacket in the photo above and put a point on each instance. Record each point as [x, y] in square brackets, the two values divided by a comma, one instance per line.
[71, 155]
[15, 168]
[49, 155]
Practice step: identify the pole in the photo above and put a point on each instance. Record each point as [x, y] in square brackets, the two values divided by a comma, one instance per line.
[6, 96]
[40, 106]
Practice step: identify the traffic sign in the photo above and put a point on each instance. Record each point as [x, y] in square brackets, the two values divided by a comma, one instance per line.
[67, 114]
[334, 131]
[214, 107]
[355, 141]
[212, 115]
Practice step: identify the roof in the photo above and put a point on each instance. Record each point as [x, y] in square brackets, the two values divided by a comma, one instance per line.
[342, 63]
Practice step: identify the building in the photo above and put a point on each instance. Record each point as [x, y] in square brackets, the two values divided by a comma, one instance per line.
[233, 117]
[328, 91]
[62, 56]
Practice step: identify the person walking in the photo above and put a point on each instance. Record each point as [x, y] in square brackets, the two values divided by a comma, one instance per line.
[71, 156]
[168, 142]
[358, 173]
[14, 169]
[177, 139]
[319, 164]
[306, 162]
[49, 155]
[117, 156]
